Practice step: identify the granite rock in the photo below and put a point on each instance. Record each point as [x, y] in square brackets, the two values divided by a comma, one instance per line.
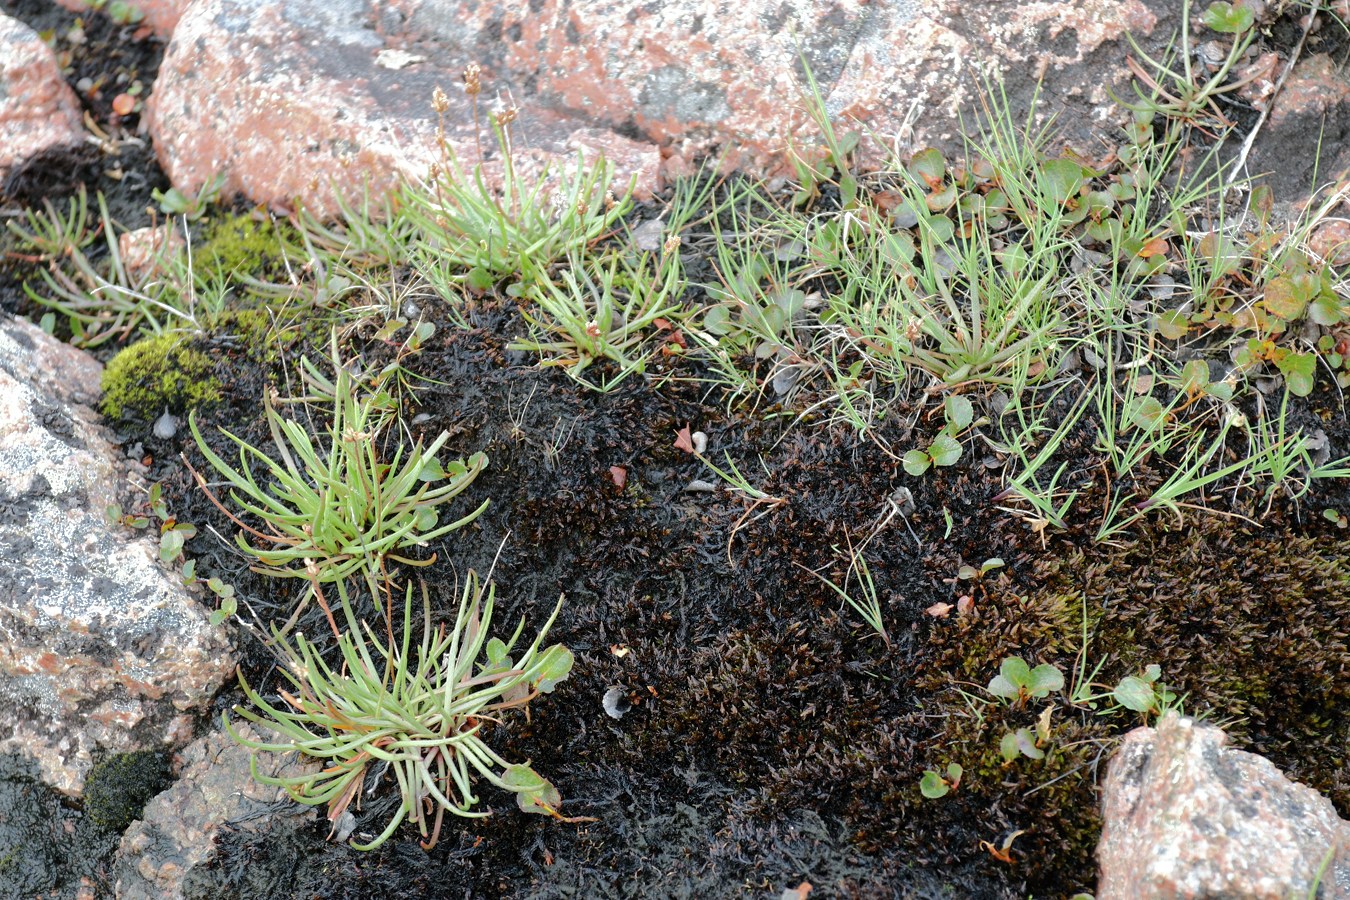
[1188, 817]
[38, 110]
[308, 100]
[215, 790]
[101, 647]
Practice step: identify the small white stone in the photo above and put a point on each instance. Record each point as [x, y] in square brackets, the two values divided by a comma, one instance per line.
[166, 426]
[616, 703]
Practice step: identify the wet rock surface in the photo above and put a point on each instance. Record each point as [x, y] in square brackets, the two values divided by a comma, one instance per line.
[215, 793]
[104, 648]
[1186, 816]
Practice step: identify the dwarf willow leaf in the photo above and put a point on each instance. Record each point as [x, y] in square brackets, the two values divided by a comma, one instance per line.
[945, 450]
[1135, 693]
[933, 786]
[555, 664]
[1044, 680]
[960, 412]
[1227, 18]
[1299, 371]
[916, 462]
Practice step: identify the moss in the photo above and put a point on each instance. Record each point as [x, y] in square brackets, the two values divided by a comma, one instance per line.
[118, 788]
[158, 373]
[1249, 625]
[1052, 800]
[252, 330]
[244, 244]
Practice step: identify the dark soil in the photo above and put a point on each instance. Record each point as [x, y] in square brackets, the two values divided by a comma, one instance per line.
[100, 60]
[772, 738]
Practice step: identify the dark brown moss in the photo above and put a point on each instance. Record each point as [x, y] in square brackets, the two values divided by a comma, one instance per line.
[1251, 625]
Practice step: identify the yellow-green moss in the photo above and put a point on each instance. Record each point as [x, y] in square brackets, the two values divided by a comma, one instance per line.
[242, 245]
[158, 373]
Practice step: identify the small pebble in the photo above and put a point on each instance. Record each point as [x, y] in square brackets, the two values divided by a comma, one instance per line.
[649, 235]
[699, 486]
[344, 826]
[700, 442]
[616, 703]
[166, 426]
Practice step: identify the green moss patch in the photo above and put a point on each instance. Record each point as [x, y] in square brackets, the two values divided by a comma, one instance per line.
[151, 375]
[1249, 625]
[1246, 625]
[244, 245]
[118, 788]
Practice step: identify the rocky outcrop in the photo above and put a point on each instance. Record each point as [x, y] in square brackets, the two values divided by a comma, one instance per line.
[38, 110]
[1187, 817]
[101, 648]
[690, 75]
[215, 789]
[296, 100]
[289, 99]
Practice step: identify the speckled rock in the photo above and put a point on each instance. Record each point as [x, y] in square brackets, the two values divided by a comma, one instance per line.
[1303, 143]
[178, 827]
[1186, 817]
[101, 648]
[38, 110]
[296, 99]
[693, 75]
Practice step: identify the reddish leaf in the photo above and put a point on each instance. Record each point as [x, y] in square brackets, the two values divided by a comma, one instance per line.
[620, 476]
[939, 610]
[124, 104]
[685, 441]
[887, 201]
[1156, 247]
[675, 336]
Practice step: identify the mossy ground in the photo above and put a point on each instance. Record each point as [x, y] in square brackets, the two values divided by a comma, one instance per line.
[773, 738]
[754, 690]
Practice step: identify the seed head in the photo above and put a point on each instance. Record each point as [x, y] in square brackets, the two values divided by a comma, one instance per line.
[672, 244]
[507, 115]
[439, 101]
[472, 83]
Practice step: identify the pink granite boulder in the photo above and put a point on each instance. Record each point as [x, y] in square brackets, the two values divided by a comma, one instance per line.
[693, 76]
[38, 110]
[1187, 817]
[309, 100]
